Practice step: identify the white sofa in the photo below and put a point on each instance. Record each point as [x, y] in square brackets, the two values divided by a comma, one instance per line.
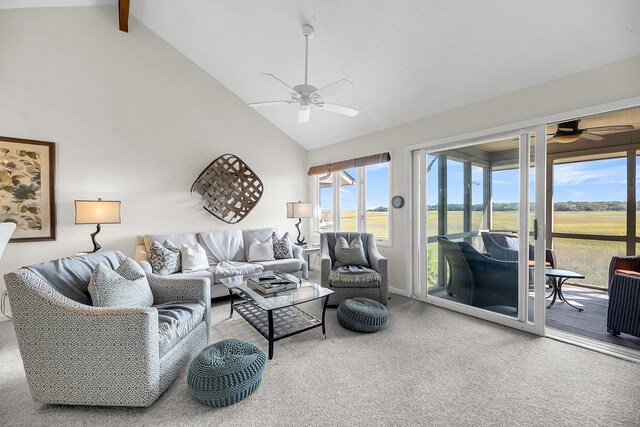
[221, 240]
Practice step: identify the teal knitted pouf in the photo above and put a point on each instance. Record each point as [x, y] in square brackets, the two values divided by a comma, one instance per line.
[226, 372]
[363, 315]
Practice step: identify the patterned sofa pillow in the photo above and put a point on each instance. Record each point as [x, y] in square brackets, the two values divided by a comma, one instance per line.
[350, 254]
[164, 259]
[282, 247]
[125, 286]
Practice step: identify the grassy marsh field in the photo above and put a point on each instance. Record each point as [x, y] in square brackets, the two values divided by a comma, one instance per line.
[589, 257]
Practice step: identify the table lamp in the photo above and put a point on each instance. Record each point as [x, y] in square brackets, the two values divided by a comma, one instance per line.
[299, 210]
[97, 212]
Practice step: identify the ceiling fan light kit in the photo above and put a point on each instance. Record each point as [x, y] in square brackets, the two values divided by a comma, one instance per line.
[570, 131]
[306, 95]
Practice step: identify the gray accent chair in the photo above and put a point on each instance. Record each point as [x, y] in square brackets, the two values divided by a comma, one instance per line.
[77, 354]
[375, 290]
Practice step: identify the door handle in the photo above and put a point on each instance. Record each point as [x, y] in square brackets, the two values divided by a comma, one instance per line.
[535, 229]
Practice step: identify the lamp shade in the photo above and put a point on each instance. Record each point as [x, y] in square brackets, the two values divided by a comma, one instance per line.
[97, 212]
[299, 210]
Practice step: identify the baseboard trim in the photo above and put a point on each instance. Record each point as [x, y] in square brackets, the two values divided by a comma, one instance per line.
[400, 292]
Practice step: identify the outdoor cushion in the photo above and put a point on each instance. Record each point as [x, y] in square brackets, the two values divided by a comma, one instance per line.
[532, 263]
[176, 320]
[70, 276]
[284, 265]
[627, 272]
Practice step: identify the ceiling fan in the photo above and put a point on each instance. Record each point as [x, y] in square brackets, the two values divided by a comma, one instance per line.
[306, 95]
[570, 131]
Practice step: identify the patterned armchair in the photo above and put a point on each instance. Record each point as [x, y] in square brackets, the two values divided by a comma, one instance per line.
[77, 354]
[375, 283]
[624, 296]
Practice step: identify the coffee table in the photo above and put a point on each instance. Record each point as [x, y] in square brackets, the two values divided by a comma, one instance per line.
[558, 277]
[276, 316]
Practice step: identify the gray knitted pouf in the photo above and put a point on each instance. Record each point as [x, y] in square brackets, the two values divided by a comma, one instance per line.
[363, 315]
[226, 372]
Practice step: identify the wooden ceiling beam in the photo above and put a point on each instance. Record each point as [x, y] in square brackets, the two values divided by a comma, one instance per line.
[123, 6]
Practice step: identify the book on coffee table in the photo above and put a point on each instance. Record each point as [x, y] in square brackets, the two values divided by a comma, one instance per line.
[270, 282]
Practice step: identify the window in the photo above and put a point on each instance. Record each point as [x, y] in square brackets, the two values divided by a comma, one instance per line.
[325, 203]
[355, 199]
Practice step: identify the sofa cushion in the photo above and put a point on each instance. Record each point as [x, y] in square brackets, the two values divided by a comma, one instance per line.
[223, 245]
[261, 234]
[193, 258]
[70, 276]
[350, 253]
[261, 251]
[176, 320]
[164, 258]
[125, 286]
[282, 246]
[285, 265]
[178, 239]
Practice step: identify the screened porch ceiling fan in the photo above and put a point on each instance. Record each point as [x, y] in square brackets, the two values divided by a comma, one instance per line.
[306, 95]
[570, 131]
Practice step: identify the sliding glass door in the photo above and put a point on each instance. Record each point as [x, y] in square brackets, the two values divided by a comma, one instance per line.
[480, 224]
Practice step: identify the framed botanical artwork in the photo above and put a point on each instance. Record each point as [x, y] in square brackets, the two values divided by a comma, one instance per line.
[27, 175]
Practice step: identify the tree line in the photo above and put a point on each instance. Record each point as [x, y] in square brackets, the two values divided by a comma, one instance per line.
[558, 206]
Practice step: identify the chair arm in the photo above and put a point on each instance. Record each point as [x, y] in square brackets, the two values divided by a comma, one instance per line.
[70, 346]
[142, 258]
[325, 262]
[168, 289]
[623, 263]
[376, 260]
[550, 257]
[298, 254]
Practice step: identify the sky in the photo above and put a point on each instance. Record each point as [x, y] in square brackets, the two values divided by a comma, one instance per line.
[599, 180]
[377, 190]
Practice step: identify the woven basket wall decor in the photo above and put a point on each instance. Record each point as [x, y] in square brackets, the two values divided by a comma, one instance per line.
[229, 189]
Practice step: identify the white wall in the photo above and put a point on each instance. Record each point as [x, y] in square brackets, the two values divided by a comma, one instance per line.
[133, 120]
[616, 81]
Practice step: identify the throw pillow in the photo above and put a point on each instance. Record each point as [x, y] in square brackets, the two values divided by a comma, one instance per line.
[282, 247]
[193, 258]
[125, 286]
[261, 251]
[350, 254]
[165, 258]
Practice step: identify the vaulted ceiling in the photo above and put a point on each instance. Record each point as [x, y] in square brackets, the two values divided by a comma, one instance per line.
[408, 59]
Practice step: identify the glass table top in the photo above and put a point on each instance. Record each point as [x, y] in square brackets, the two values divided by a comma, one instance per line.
[305, 292]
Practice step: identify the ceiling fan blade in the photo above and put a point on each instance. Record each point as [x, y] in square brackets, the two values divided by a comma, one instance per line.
[303, 115]
[334, 88]
[591, 136]
[271, 75]
[346, 111]
[609, 128]
[269, 103]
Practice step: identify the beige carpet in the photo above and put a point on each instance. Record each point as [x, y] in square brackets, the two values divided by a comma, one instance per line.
[431, 367]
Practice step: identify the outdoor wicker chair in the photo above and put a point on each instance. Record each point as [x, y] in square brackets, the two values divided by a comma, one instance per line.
[624, 296]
